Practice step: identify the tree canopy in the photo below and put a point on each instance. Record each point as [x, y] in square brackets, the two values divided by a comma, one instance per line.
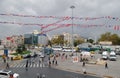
[114, 38]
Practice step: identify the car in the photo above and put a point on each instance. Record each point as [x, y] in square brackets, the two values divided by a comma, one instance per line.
[57, 48]
[26, 56]
[8, 74]
[18, 57]
[68, 49]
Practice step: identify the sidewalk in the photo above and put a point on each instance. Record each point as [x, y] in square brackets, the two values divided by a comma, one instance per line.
[92, 69]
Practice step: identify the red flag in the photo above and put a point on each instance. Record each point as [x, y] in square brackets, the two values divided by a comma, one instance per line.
[117, 27]
[8, 38]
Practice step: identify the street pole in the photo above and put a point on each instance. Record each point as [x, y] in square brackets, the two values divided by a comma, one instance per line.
[72, 7]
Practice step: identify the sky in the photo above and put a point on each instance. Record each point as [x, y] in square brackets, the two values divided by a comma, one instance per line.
[60, 8]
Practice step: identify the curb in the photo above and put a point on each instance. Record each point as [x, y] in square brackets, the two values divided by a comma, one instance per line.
[88, 73]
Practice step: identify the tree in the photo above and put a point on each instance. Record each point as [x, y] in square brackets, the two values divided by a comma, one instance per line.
[78, 41]
[114, 38]
[105, 37]
[90, 40]
[58, 41]
[20, 48]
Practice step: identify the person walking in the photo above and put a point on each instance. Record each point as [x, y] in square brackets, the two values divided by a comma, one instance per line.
[49, 63]
[7, 65]
[66, 56]
[106, 65]
[26, 65]
[53, 62]
[83, 64]
[56, 62]
[39, 62]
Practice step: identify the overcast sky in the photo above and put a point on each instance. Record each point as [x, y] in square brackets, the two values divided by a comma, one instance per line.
[83, 8]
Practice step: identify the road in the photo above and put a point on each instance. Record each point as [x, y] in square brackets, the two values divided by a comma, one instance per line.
[48, 72]
[34, 69]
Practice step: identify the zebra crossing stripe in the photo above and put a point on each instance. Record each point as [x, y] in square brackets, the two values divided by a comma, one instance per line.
[22, 65]
[18, 65]
[30, 65]
[14, 65]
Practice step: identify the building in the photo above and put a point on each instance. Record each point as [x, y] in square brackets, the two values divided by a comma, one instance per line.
[12, 41]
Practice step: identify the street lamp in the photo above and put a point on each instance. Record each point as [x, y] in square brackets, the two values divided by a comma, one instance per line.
[72, 7]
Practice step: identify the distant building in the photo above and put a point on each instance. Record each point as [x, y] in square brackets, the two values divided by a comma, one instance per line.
[36, 39]
[42, 39]
[105, 42]
[12, 41]
[28, 39]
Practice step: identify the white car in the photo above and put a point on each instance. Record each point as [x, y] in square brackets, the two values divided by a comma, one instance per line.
[68, 49]
[57, 48]
[7, 74]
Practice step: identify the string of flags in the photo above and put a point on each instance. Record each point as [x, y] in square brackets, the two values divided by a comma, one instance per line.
[44, 26]
[62, 17]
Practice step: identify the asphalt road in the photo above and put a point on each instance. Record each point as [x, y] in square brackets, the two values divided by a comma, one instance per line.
[48, 72]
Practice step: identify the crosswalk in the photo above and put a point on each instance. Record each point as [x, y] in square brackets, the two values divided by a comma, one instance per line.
[33, 65]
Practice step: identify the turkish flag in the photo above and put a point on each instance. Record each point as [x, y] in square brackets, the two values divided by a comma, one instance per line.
[8, 38]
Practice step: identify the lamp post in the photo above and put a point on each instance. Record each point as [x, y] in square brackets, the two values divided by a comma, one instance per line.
[72, 7]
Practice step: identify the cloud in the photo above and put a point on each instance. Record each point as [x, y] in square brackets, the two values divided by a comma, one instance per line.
[83, 8]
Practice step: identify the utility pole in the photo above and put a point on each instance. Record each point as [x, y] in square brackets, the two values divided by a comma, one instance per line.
[72, 7]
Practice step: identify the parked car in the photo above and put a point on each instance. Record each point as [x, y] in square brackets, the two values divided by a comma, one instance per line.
[104, 55]
[112, 56]
[57, 48]
[8, 74]
[68, 49]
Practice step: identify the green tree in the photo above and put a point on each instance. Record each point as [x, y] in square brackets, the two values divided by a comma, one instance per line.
[58, 41]
[105, 37]
[90, 40]
[78, 41]
[20, 48]
[114, 38]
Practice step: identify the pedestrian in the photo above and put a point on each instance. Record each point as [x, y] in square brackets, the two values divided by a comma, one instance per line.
[39, 62]
[49, 63]
[66, 57]
[4, 60]
[83, 64]
[106, 65]
[56, 62]
[49, 57]
[26, 65]
[7, 66]
[53, 62]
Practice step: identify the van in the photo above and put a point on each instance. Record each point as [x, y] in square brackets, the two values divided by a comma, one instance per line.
[104, 55]
[112, 56]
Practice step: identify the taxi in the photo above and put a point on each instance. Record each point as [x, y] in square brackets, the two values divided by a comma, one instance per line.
[18, 57]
